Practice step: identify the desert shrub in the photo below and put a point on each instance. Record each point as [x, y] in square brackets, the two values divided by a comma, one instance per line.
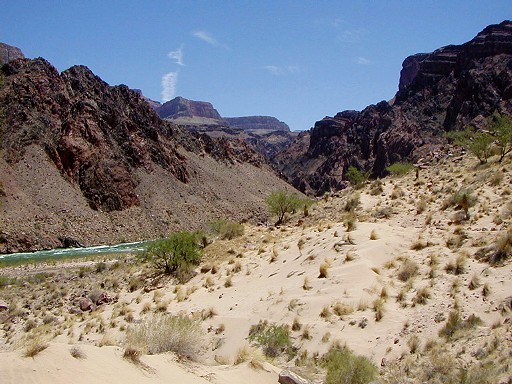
[272, 338]
[399, 169]
[227, 229]
[175, 254]
[356, 176]
[282, 202]
[345, 367]
[160, 333]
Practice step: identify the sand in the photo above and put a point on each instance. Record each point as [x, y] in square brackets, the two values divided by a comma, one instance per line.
[274, 275]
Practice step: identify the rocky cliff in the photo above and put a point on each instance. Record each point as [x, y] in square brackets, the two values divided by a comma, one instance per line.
[9, 53]
[439, 91]
[85, 160]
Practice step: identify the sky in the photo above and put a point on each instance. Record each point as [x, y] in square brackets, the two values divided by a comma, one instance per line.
[296, 60]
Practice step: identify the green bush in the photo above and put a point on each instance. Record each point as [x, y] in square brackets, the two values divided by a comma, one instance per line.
[161, 333]
[175, 254]
[282, 202]
[272, 338]
[345, 367]
[227, 229]
[356, 177]
[399, 169]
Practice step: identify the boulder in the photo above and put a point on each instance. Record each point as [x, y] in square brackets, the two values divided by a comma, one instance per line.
[87, 304]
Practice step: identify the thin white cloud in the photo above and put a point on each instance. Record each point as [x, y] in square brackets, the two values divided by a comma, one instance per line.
[169, 81]
[353, 35]
[362, 61]
[293, 69]
[177, 56]
[274, 69]
[208, 38]
[278, 70]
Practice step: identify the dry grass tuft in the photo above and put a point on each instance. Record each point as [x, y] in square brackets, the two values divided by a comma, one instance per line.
[342, 309]
[422, 295]
[163, 333]
[77, 353]
[408, 270]
[34, 346]
[324, 270]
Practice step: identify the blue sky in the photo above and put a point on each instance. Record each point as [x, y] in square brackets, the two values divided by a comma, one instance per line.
[296, 60]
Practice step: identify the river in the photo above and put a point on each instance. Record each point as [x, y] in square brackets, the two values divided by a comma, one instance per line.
[60, 253]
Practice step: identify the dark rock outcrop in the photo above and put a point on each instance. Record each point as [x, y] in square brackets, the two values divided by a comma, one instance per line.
[95, 134]
[9, 53]
[441, 91]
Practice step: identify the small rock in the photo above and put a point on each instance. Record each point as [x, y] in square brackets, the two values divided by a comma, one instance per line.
[4, 306]
[289, 377]
[75, 310]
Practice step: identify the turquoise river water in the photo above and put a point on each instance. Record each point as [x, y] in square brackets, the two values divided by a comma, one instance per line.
[59, 253]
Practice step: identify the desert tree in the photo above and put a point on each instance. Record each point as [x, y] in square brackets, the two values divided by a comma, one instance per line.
[282, 202]
[174, 254]
[501, 128]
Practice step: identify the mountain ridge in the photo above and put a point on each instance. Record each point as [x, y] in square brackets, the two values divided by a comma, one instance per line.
[445, 90]
[92, 162]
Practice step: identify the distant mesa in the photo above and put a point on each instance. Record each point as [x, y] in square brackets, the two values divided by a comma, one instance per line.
[9, 53]
[201, 113]
[249, 123]
[265, 134]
